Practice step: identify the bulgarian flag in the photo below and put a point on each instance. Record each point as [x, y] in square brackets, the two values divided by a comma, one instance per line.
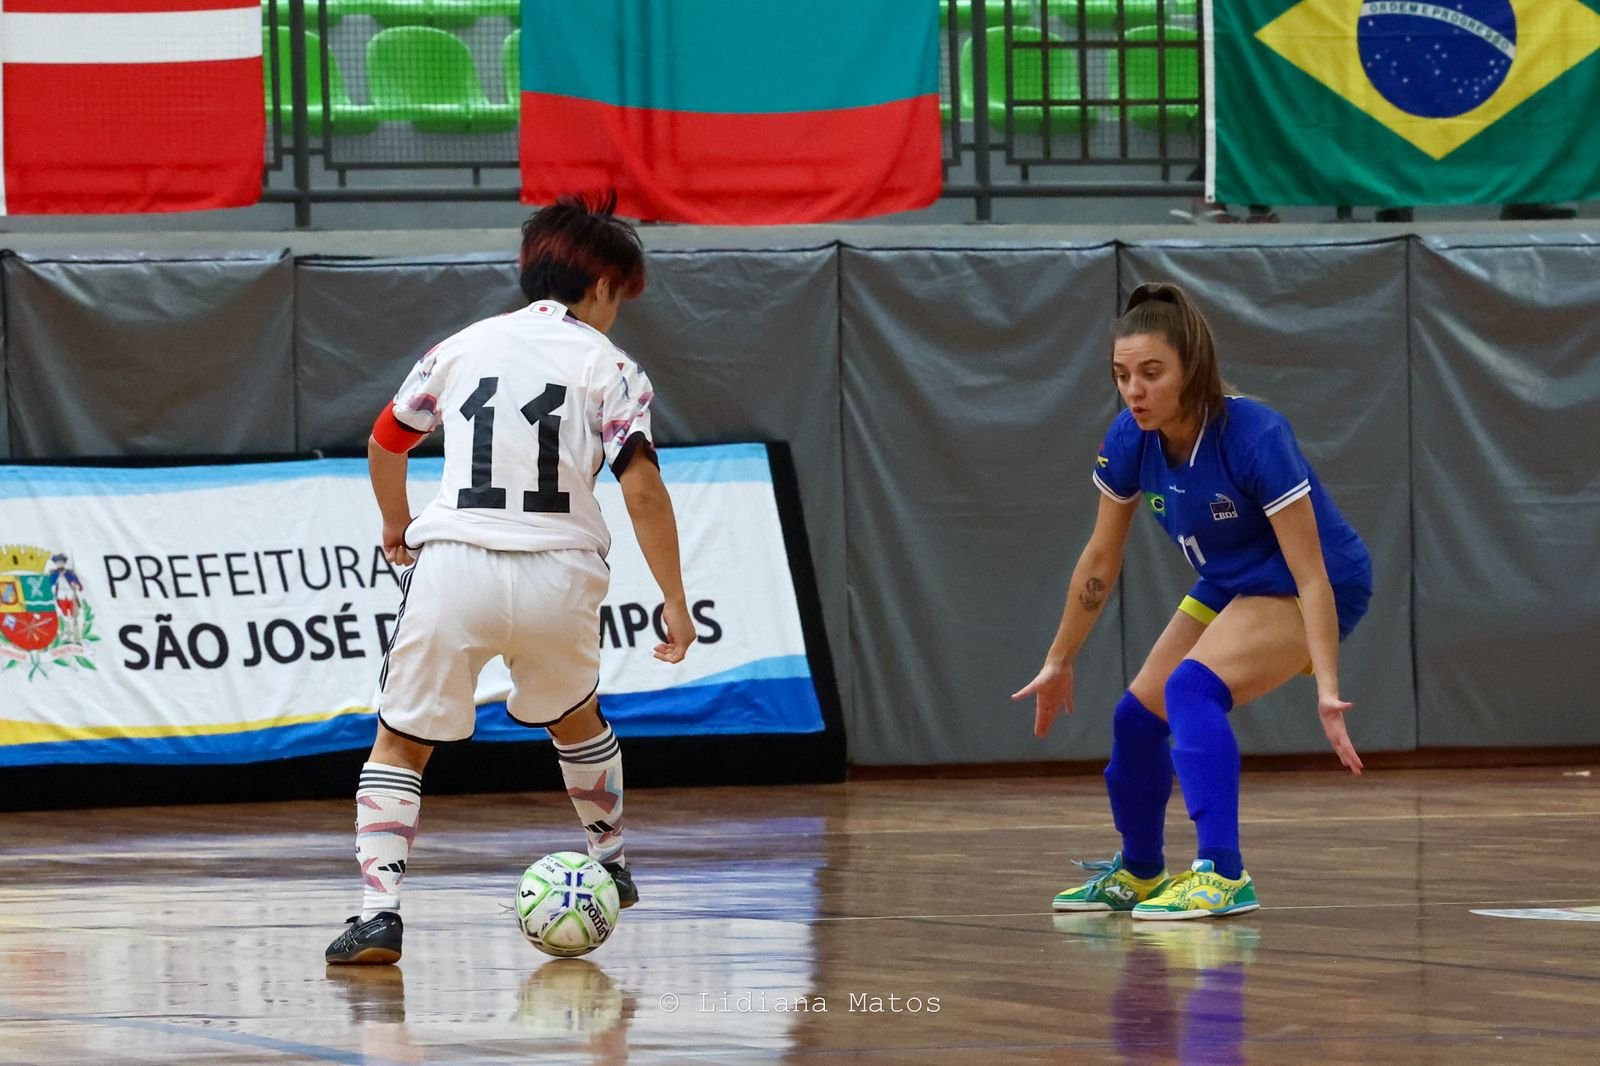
[129, 105]
[742, 112]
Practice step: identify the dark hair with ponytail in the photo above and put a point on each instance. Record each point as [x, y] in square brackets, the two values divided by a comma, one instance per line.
[1163, 309]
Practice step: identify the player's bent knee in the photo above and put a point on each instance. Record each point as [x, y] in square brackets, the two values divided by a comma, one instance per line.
[1194, 684]
[1151, 694]
[1133, 721]
[392, 749]
[585, 723]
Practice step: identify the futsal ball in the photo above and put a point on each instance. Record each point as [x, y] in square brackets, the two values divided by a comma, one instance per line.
[567, 904]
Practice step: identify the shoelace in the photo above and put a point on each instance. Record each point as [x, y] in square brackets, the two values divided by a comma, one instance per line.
[1174, 886]
[348, 937]
[1103, 869]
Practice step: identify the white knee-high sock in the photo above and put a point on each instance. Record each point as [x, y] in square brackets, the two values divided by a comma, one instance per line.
[388, 801]
[592, 770]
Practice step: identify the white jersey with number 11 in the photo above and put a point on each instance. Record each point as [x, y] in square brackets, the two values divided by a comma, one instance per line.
[531, 403]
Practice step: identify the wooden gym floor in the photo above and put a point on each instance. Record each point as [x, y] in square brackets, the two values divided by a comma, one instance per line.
[195, 934]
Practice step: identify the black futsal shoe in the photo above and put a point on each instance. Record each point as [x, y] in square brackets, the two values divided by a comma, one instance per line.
[375, 942]
[627, 891]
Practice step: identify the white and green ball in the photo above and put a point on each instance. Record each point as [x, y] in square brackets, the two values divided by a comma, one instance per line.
[567, 904]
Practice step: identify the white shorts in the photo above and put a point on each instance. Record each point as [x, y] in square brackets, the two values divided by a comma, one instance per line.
[462, 606]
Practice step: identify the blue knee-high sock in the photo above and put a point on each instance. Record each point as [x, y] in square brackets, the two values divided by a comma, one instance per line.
[1139, 782]
[1207, 757]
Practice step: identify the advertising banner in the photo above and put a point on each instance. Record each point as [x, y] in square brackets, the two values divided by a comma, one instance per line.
[229, 614]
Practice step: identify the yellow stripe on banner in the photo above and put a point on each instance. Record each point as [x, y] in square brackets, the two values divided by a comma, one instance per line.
[14, 732]
[1197, 610]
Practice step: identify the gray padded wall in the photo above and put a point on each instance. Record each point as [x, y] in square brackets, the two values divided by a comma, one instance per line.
[973, 395]
[744, 345]
[943, 403]
[140, 355]
[5, 379]
[1319, 333]
[1506, 357]
[361, 323]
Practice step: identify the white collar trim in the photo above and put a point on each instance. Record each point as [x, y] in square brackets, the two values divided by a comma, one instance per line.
[1194, 452]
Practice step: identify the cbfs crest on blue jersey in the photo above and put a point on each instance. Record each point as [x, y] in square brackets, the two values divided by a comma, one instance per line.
[1217, 502]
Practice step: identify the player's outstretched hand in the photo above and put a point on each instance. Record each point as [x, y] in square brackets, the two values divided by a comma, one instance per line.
[1051, 690]
[680, 633]
[1331, 709]
[394, 545]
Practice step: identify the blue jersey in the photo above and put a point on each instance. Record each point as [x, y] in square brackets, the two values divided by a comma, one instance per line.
[1216, 502]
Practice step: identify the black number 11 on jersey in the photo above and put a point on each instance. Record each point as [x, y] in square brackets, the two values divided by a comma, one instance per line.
[540, 412]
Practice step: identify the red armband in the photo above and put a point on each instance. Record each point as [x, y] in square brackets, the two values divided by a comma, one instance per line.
[394, 435]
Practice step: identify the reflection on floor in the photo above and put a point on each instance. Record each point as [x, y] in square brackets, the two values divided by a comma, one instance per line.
[890, 922]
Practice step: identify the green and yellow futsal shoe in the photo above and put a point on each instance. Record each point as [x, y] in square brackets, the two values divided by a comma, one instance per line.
[1200, 892]
[1112, 888]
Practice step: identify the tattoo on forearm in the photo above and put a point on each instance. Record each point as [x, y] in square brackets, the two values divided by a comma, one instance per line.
[1093, 596]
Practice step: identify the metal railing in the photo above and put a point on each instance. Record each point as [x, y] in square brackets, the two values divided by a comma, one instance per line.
[1040, 98]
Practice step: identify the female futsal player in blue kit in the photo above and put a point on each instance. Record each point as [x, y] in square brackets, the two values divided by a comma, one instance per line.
[1282, 579]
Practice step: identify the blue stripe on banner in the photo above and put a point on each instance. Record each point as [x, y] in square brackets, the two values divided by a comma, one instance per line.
[776, 668]
[43, 482]
[704, 464]
[309, 738]
[781, 705]
[711, 464]
[751, 705]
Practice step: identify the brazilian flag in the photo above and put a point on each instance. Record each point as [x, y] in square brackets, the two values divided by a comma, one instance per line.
[1399, 102]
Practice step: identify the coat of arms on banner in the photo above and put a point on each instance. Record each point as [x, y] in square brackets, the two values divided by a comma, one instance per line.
[44, 617]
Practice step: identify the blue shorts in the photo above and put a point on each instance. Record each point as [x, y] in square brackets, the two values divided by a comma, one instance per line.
[1205, 601]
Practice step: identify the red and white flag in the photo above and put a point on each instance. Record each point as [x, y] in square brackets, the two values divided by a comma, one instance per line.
[113, 106]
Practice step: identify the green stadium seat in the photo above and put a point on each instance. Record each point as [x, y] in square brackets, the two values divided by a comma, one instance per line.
[1028, 69]
[454, 14]
[506, 9]
[439, 14]
[511, 67]
[426, 77]
[969, 103]
[962, 89]
[1182, 79]
[1103, 14]
[392, 13]
[345, 117]
[994, 13]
